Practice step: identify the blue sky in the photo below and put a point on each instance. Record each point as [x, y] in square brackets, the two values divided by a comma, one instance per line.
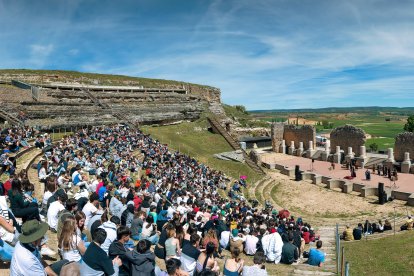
[264, 54]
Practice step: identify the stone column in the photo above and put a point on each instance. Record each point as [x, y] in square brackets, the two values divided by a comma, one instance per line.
[299, 151]
[328, 146]
[406, 164]
[362, 159]
[282, 148]
[311, 151]
[337, 155]
[350, 155]
[390, 160]
[291, 149]
[363, 152]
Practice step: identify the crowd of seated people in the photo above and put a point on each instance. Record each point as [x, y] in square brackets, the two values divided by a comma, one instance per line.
[11, 141]
[361, 230]
[114, 214]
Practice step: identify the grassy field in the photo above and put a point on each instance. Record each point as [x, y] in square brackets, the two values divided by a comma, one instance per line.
[194, 139]
[388, 256]
[382, 124]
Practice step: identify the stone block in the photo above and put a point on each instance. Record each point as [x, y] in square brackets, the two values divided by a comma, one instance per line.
[410, 201]
[369, 191]
[357, 187]
[317, 179]
[405, 166]
[347, 187]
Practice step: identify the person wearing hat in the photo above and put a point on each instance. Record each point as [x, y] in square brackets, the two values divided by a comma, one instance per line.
[27, 259]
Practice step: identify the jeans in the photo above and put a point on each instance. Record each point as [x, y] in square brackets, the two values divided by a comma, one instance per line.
[153, 239]
[136, 237]
[6, 252]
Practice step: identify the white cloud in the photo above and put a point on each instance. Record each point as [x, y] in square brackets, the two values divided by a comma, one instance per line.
[39, 54]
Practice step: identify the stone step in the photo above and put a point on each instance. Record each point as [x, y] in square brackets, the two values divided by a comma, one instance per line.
[312, 272]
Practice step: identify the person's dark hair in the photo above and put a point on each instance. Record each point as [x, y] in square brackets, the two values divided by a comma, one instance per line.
[51, 187]
[122, 231]
[259, 258]
[194, 238]
[104, 216]
[143, 246]
[94, 196]
[235, 253]
[115, 220]
[63, 197]
[16, 186]
[319, 244]
[207, 273]
[99, 235]
[172, 265]
[149, 220]
[290, 237]
[71, 203]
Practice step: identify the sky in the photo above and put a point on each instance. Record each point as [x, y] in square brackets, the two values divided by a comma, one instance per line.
[263, 54]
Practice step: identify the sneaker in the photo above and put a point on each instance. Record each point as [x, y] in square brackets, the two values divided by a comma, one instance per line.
[46, 251]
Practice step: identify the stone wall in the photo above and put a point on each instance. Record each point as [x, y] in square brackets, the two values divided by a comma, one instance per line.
[57, 106]
[277, 130]
[347, 136]
[298, 134]
[404, 142]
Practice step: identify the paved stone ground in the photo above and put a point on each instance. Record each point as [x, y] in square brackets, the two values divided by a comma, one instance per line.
[404, 183]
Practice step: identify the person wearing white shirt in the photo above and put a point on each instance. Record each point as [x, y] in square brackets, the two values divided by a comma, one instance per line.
[54, 209]
[90, 208]
[27, 259]
[110, 228]
[250, 247]
[225, 239]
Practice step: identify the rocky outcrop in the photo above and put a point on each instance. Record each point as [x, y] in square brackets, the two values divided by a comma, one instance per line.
[347, 136]
[62, 102]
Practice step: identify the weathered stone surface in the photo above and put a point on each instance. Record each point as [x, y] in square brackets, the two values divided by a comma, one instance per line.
[299, 134]
[404, 142]
[66, 107]
[348, 136]
[277, 136]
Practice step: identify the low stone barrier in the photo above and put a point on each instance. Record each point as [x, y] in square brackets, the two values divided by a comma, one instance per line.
[369, 191]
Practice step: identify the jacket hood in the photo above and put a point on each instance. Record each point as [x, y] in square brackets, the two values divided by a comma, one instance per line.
[148, 258]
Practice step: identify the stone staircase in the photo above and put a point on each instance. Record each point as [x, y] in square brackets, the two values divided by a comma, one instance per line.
[11, 118]
[327, 236]
[215, 124]
[106, 106]
[374, 161]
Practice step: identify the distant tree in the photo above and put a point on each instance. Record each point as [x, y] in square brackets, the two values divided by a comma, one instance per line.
[241, 108]
[409, 126]
[373, 147]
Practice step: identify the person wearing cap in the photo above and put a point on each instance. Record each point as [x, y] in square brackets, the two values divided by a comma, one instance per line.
[27, 259]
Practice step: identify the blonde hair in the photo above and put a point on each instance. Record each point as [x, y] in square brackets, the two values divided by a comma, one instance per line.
[66, 236]
[171, 233]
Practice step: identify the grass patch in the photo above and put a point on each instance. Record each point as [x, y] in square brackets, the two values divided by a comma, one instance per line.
[387, 256]
[194, 139]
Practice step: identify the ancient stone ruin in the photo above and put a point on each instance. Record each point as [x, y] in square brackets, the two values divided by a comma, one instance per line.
[299, 134]
[347, 136]
[404, 142]
[69, 103]
[277, 136]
